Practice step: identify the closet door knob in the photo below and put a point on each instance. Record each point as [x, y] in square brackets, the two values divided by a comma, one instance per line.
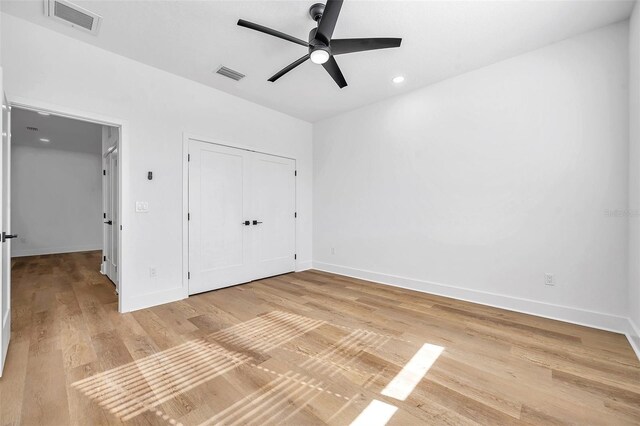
[255, 222]
[246, 223]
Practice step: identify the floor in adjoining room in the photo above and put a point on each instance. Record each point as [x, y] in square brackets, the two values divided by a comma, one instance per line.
[303, 348]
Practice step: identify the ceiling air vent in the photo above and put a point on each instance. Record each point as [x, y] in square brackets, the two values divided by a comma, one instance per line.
[228, 72]
[73, 15]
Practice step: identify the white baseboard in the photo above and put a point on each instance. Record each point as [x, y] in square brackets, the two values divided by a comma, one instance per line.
[152, 299]
[52, 250]
[303, 266]
[633, 335]
[573, 315]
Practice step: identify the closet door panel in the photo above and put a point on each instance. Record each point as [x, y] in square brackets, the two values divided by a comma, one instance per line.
[273, 207]
[220, 246]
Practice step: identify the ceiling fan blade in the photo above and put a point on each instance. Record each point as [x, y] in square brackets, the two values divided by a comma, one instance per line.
[275, 33]
[288, 68]
[334, 71]
[352, 45]
[328, 21]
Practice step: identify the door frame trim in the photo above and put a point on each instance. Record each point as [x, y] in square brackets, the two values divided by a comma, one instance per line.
[123, 170]
[186, 137]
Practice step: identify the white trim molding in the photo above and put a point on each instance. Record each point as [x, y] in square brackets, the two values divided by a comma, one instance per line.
[633, 335]
[599, 320]
[125, 214]
[303, 266]
[53, 250]
[148, 300]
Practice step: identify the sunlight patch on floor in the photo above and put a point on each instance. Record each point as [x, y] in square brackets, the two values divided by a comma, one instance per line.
[266, 332]
[139, 386]
[377, 413]
[341, 355]
[142, 386]
[274, 403]
[413, 371]
[160, 377]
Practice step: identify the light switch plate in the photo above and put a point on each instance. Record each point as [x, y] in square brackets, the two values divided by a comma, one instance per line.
[142, 206]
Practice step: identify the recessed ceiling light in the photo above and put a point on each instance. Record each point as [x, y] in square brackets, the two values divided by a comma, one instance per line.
[46, 114]
[399, 79]
[45, 140]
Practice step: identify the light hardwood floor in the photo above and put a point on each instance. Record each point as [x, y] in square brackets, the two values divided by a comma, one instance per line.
[303, 348]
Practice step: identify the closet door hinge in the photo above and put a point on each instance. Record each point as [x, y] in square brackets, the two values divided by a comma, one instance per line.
[295, 256]
[104, 258]
[104, 172]
[295, 173]
[104, 215]
[188, 157]
[295, 214]
[188, 216]
[188, 275]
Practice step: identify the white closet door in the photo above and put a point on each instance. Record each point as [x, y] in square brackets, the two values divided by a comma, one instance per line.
[242, 216]
[220, 252]
[273, 204]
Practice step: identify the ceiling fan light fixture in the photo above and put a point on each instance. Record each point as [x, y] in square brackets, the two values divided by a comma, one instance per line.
[399, 79]
[319, 56]
[321, 44]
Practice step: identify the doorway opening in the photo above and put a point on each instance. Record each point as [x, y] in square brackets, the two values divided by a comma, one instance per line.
[65, 186]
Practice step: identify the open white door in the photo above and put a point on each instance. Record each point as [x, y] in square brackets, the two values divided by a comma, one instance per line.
[5, 220]
[111, 219]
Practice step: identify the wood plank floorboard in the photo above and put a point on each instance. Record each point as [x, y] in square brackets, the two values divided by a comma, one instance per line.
[303, 348]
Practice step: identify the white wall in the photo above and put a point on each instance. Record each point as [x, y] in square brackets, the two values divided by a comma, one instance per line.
[157, 108]
[634, 176]
[56, 204]
[477, 186]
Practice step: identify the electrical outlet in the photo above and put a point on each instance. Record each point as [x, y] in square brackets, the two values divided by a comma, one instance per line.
[549, 279]
[153, 272]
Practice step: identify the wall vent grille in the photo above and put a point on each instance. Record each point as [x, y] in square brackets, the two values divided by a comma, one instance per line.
[232, 74]
[73, 15]
[33, 129]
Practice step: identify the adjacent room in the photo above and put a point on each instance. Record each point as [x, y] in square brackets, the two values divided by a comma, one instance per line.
[346, 213]
[61, 189]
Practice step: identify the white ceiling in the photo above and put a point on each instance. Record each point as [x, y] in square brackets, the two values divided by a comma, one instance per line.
[63, 133]
[440, 39]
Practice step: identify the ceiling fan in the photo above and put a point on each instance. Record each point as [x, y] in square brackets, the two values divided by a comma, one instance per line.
[322, 48]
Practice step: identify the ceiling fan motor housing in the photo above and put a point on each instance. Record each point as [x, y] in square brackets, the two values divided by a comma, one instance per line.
[315, 43]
